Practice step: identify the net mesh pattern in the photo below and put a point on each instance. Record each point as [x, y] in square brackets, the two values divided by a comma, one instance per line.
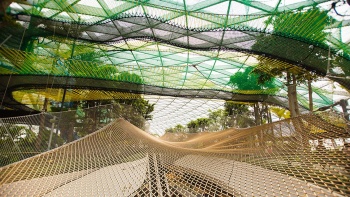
[293, 157]
[102, 50]
[30, 71]
[176, 45]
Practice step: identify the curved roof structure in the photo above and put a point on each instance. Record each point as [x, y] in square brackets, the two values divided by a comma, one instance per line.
[174, 48]
[188, 57]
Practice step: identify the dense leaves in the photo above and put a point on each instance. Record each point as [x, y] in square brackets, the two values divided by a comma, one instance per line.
[20, 141]
[177, 129]
[127, 77]
[296, 25]
[248, 80]
[299, 23]
[233, 115]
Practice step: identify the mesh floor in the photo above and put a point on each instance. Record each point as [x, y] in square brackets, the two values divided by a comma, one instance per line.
[186, 48]
[302, 156]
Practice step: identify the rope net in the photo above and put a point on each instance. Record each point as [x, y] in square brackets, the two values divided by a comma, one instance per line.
[303, 156]
[83, 52]
[175, 46]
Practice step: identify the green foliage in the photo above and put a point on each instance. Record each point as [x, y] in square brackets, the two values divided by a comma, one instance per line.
[296, 25]
[217, 115]
[142, 106]
[248, 80]
[127, 77]
[19, 142]
[89, 55]
[233, 108]
[309, 24]
[244, 121]
[108, 71]
[9, 153]
[192, 126]
[170, 130]
[177, 129]
[203, 123]
[219, 119]
[131, 112]
[234, 115]
[239, 115]
[136, 111]
[198, 125]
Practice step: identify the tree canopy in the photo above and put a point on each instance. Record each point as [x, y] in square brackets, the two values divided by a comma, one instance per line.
[296, 24]
[233, 115]
[127, 77]
[247, 80]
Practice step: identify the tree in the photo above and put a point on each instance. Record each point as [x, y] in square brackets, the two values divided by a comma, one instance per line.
[218, 119]
[249, 80]
[177, 129]
[10, 137]
[108, 71]
[6, 20]
[203, 123]
[136, 111]
[233, 109]
[301, 21]
[193, 126]
[234, 115]
[19, 142]
[127, 77]
[239, 115]
[170, 130]
[69, 53]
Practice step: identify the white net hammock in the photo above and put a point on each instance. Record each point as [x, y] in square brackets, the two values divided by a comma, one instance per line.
[285, 158]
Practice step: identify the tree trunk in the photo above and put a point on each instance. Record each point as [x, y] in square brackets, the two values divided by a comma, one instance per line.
[292, 95]
[42, 126]
[258, 122]
[45, 105]
[38, 144]
[70, 132]
[268, 114]
[344, 103]
[3, 6]
[257, 114]
[311, 105]
[293, 107]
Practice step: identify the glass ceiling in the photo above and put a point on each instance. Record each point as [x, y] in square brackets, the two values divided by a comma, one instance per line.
[174, 48]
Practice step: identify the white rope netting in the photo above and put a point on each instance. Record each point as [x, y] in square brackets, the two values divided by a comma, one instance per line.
[302, 156]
